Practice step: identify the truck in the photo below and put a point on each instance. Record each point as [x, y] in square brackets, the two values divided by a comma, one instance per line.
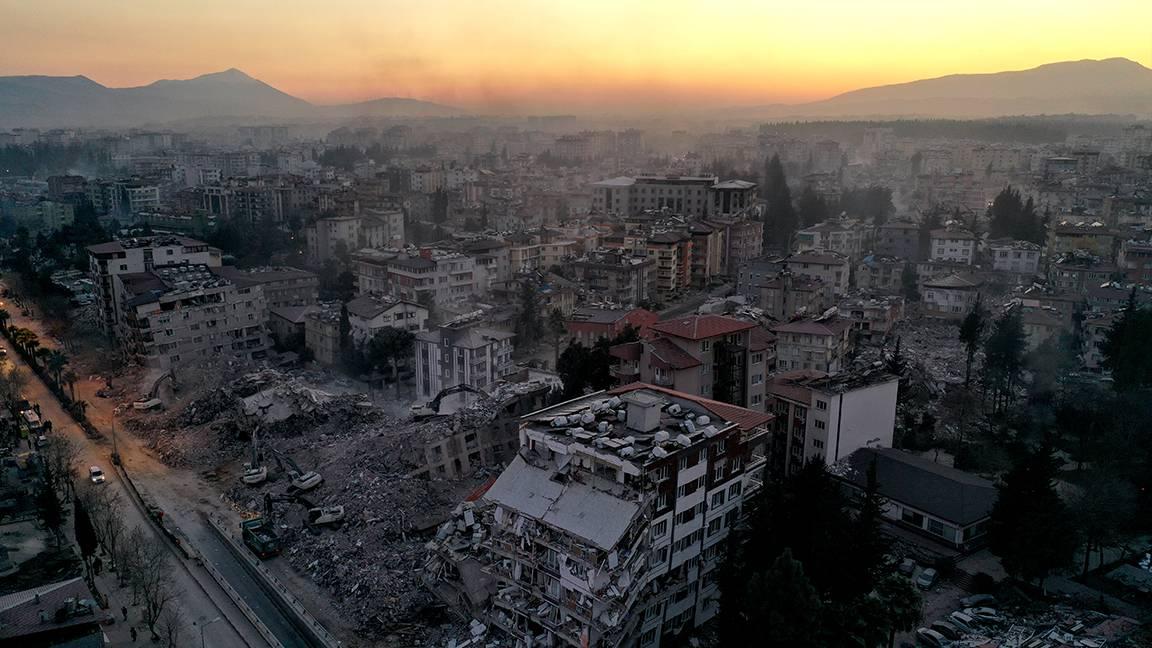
[258, 536]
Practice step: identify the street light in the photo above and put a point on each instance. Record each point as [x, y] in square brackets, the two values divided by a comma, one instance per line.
[205, 625]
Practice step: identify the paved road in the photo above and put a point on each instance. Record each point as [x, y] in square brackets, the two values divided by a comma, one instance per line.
[200, 597]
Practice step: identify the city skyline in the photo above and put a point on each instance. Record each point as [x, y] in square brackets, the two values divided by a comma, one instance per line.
[503, 56]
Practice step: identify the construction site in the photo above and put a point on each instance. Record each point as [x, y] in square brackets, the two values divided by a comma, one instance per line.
[345, 485]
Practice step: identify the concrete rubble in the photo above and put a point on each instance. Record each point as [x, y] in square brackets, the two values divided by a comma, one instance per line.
[372, 564]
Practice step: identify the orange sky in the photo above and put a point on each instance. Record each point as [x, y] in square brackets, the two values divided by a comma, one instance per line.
[558, 55]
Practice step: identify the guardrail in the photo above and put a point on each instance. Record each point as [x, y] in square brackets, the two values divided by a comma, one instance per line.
[315, 630]
[240, 603]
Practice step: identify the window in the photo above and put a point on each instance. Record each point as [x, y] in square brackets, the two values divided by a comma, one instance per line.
[935, 527]
[757, 379]
[663, 501]
[818, 444]
[660, 528]
[734, 490]
[687, 460]
[718, 499]
[821, 405]
[912, 517]
[714, 527]
[820, 425]
[705, 345]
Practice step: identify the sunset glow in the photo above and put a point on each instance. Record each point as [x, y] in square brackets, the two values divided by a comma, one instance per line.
[538, 55]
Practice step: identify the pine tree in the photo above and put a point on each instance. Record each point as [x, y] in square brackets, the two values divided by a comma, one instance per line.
[811, 208]
[1004, 358]
[787, 604]
[1127, 353]
[780, 217]
[910, 282]
[1030, 528]
[971, 330]
[85, 536]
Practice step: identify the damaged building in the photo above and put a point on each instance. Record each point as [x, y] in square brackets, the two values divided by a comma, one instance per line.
[607, 527]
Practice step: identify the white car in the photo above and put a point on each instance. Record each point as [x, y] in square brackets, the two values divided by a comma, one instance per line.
[926, 579]
[982, 613]
[96, 475]
[931, 638]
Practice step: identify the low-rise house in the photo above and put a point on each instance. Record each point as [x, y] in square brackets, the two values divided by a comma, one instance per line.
[881, 274]
[63, 613]
[950, 297]
[1078, 271]
[873, 319]
[822, 343]
[937, 501]
[789, 295]
[826, 418]
[281, 285]
[616, 276]
[900, 239]
[1092, 237]
[1135, 261]
[840, 236]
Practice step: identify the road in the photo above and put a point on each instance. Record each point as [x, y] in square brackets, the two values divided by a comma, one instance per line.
[200, 597]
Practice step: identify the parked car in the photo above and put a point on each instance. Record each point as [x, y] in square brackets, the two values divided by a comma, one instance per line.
[928, 637]
[976, 600]
[907, 566]
[96, 475]
[963, 622]
[947, 629]
[926, 579]
[982, 613]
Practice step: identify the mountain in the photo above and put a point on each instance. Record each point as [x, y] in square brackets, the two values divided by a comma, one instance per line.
[1108, 86]
[44, 101]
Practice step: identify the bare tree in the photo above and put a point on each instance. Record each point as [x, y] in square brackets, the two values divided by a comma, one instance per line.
[152, 577]
[172, 624]
[12, 382]
[106, 510]
[61, 454]
[130, 557]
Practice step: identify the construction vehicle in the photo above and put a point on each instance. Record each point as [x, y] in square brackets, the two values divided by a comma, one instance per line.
[301, 481]
[432, 407]
[315, 515]
[258, 536]
[254, 471]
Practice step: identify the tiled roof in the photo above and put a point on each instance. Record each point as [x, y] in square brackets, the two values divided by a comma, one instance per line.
[761, 339]
[812, 327]
[672, 356]
[953, 281]
[701, 327]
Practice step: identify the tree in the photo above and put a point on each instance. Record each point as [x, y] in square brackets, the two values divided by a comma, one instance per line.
[910, 282]
[896, 364]
[106, 511]
[572, 365]
[529, 326]
[971, 331]
[780, 217]
[1010, 216]
[69, 377]
[171, 625]
[49, 509]
[152, 578]
[811, 208]
[391, 345]
[1004, 358]
[786, 602]
[85, 537]
[345, 328]
[558, 328]
[903, 602]
[5, 317]
[60, 456]
[1104, 507]
[1030, 528]
[872, 204]
[1127, 353]
[54, 362]
[345, 286]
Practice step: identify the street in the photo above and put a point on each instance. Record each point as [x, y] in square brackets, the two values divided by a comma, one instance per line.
[200, 597]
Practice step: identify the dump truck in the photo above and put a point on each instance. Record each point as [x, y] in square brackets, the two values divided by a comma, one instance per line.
[260, 538]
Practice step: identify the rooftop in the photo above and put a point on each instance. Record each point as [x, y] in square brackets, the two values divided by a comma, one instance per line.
[824, 326]
[700, 327]
[143, 242]
[942, 491]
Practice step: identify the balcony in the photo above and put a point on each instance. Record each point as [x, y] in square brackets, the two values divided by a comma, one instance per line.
[624, 372]
[757, 461]
[663, 381]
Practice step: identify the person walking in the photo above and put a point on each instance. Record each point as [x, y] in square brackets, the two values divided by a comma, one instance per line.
[132, 631]
[124, 611]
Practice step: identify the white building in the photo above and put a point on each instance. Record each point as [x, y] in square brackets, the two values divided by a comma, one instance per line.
[183, 315]
[607, 530]
[1017, 257]
[828, 417]
[954, 245]
[106, 260]
[461, 355]
[435, 276]
[951, 296]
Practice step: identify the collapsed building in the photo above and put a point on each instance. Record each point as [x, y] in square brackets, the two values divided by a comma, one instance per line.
[607, 527]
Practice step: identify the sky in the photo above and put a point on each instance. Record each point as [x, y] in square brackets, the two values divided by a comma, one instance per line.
[533, 55]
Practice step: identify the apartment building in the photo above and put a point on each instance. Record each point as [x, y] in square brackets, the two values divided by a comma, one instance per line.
[841, 236]
[789, 295]
[951, 296]
[43, 216]
[899, 239]
[743, 237]
[830, 267]
[821, 344]
[138, 255]
[181, 315]
[707, 253]
[367, 316]
[824, 417]
[1093, 237]
[672, 252]
[707, 355]
[461, 354]
[685, 195]
[434, 276]
[616, 276]
[1016, 257]
[608, 526]
[1135, 261]
[381, 228]
[954, 245]
[587, 325]
[281, 285]
[330, 237]
[881, 274]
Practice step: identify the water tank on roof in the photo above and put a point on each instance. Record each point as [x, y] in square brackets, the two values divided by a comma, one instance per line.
[560, 421]
[683, 440]
[587, 418]
[661, 436]
[703, 420]
[659, 452]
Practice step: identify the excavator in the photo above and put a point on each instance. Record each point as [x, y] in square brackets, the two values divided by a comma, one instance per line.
[255, 472]
[301, 481]
[432, 407]
[315, 515]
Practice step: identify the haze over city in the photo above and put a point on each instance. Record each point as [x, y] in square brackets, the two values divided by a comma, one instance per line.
[597, 56]
[575, 324]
